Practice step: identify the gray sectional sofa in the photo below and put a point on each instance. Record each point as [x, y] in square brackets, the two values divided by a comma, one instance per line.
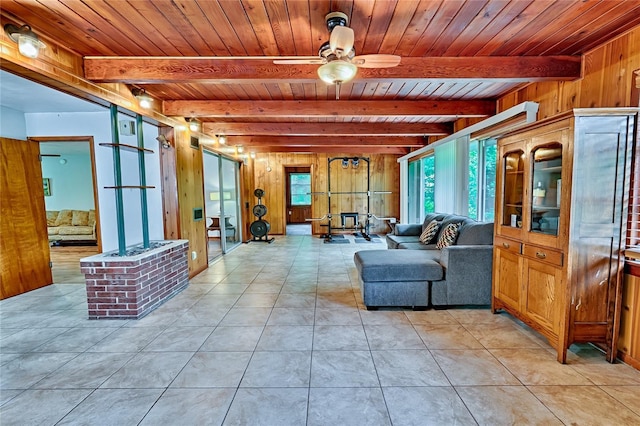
[419, 275]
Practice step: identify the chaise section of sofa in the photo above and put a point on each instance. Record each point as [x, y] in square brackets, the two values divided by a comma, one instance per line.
[71, 225]
[466, 264]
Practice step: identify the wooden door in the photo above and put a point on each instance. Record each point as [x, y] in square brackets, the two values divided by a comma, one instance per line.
[542, 299]
[602, 159]
[24, 254]
[507, 266]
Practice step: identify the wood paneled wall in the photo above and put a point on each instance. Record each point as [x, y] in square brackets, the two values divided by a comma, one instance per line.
[607, 81]
[190, 187]
[267, 171]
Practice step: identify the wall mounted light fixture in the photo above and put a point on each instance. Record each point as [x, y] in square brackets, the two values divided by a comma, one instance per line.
[164, 141]
[29, 44]
[144, 99]
[194, 126]
[222, 139]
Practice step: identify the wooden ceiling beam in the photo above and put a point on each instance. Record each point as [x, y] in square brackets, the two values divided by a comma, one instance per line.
[329, 129]
[306, 141]
[345, 149]
[226, 70]
[329, 109]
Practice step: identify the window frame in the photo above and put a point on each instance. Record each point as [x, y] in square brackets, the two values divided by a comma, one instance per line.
[292, 193]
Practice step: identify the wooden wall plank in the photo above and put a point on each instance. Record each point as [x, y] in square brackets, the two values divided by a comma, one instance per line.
[190, 183]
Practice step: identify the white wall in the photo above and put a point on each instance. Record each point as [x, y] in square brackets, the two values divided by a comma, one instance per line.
[98, 125]
[12, 124]
[74, 173]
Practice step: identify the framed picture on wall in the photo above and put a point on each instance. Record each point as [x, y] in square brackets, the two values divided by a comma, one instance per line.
[46, 185]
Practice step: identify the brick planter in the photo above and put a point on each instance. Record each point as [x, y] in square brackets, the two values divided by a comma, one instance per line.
[129, 287]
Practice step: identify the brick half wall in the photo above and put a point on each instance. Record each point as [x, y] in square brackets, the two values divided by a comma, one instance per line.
[130, 287]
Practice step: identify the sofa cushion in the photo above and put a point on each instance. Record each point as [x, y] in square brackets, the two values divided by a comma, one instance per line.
[52, 230]
[64, 218]
[430, 232]
[91, 220]
[474, 233]
[75, 230]
[391, 265]
[448, 235]
[80, 218]
[52, 215]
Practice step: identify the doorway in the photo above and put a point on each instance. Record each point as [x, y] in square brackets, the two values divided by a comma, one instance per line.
[69, 184]
[298, 200]
[222, 211]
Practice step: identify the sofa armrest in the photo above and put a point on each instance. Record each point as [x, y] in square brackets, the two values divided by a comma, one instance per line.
[468, 270]
[407, 229]
[466, 259]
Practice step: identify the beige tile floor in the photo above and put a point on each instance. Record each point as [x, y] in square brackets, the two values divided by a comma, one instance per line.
[276, 334]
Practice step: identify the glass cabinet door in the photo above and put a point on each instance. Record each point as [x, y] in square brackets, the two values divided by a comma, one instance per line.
[546, 188]
[513, 189]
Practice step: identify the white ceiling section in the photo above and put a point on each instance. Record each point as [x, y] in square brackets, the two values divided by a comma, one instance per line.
[26, 96]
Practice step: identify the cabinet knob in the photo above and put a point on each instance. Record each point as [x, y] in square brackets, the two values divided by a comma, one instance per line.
[541, 255]
[506, 245]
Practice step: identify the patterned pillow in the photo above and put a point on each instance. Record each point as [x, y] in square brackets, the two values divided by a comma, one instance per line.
[429, 232]
[448, 235]
[80, 218]
[64, 218]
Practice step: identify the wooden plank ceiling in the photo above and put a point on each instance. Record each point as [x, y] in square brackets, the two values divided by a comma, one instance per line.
[214, 60]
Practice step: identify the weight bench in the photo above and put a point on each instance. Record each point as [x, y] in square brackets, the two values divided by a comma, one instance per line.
[344, 216]
[396, 277]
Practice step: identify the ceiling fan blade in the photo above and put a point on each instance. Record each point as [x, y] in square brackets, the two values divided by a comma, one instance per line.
[341, 40]
[301, 61]
[376, 61]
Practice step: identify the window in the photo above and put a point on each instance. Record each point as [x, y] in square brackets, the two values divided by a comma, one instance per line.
[482, 179]
[300, 189]
[421, 188]
[633, 221]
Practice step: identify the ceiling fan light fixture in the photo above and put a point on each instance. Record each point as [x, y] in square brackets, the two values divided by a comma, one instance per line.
[29, 44]
[338, 71]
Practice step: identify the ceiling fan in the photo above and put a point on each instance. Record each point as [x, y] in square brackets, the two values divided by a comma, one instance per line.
[337, 58]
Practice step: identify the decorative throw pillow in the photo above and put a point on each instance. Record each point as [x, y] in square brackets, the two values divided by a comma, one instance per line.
[429, 232]
[64, 218]
[80, 218]
[91, 219]
[52, 215]
[448, 235]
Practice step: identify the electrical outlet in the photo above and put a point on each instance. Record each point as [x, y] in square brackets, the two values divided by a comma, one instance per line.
[127, 128]
[194, 255]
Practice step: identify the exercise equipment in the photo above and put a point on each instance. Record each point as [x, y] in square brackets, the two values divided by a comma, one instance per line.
[361, 227]
[260, 228]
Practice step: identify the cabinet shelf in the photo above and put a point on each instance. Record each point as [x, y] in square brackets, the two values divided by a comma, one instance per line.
[126, 147]
[129, 187]
[553, 169]
[544, 208]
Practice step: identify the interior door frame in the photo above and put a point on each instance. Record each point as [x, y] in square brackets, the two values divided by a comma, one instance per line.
[286, 170]
[89, 140]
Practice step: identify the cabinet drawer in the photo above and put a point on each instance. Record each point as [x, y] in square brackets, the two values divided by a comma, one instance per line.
[543, 254]
[507, 244]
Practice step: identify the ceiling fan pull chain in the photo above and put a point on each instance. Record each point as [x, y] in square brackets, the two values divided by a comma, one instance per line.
[338, 83]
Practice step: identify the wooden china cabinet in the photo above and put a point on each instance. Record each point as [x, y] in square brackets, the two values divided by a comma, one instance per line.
[561, 209]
